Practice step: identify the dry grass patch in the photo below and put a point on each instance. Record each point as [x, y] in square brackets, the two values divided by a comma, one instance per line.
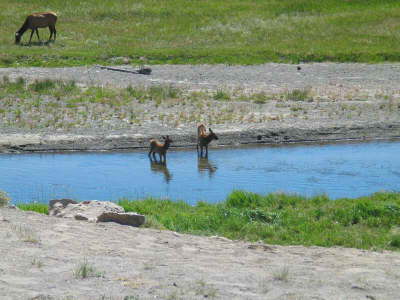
[85, 269]
[281, 274]
[4, 198]
[25, 233]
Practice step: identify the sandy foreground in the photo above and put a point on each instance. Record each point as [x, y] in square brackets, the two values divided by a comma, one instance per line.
[40, 257]
[350, 102]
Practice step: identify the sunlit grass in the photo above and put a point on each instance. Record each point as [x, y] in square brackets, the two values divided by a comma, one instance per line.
[371, 222]
[179, 31]
[366, 222]
[38, 207]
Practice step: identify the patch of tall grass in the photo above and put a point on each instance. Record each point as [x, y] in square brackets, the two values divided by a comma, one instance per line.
[22, 89]
[85, 269]
[38, 207]
[371, 222]
[180, 31]
[298, 95]
[4, 198]
[367, 222]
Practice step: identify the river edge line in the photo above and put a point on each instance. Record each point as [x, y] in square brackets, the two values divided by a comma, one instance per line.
[32, 142]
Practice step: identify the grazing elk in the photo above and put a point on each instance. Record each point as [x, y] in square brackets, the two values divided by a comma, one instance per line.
[204, 138]
[35, 21]
[161, 149]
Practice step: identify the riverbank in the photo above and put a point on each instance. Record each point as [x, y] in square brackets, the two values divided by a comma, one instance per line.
[91, 109]
[55, 258]
[18, 143]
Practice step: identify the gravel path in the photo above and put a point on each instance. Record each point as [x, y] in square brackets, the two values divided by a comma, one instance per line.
[268, 77]
[350, 102]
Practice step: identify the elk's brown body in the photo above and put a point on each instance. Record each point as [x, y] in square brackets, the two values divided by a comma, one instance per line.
[160, 148]
[35, 21]
[204, 138]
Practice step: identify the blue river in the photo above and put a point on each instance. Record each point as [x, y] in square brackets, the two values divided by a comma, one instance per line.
[338, 170]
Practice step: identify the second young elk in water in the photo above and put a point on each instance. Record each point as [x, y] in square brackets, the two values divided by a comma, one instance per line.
[35, 21]
[161, 149]
[204, 138]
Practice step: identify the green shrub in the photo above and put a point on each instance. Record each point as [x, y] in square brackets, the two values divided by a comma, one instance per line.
[85, 270]
[37, 207]
[42, 86]
[222, 96]
[260, 98]
[298, 95]
[243, 199]
[152, 222]
[4, 198]
[395, 241]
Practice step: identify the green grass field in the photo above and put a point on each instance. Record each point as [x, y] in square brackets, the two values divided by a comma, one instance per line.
[182, 31]
[371, 222]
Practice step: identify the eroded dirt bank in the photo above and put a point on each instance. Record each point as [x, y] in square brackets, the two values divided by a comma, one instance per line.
[40, 256]
[25, 142]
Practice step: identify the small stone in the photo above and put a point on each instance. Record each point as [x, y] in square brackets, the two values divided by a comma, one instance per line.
[81, 217]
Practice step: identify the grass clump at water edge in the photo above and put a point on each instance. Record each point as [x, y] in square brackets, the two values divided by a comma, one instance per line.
[38, 207]
[371, 222]
[4, 198]
[365, 222]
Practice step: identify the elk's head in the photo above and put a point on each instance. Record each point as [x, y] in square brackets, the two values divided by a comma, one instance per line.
[167, 140]
[17, 38]
[212, 134]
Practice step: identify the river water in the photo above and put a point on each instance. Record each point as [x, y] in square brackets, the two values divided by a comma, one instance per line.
[338, 170]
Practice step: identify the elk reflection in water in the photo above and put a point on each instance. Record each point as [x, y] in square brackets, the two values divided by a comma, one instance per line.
[204, 165]
[161, 167]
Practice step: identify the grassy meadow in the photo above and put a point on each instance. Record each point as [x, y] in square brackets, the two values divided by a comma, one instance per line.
[371, 222]
[181, 31]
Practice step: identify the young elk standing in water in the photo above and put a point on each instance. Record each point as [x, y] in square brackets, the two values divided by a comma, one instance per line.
[204, 138]
[161, 149]
[35, 21]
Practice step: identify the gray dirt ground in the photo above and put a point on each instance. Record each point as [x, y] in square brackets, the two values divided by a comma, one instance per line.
[351, 102]
[267, 77]
[40, 253]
